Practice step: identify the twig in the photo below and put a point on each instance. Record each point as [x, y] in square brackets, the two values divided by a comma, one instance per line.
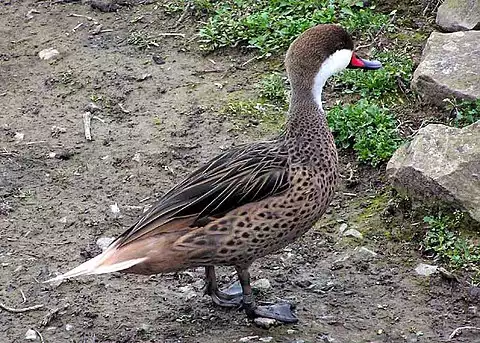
[123, 108]
[253, 59]
[35, 142]
[183, 15]
[80, 16]
[20, 310]
[39, 335]
[99, 119]
[87, 117]
[77, 27]
[167, 34]
[458, 330]
[350, 194]
[23, 296]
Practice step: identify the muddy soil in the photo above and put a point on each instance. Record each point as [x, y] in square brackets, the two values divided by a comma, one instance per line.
[157, 120]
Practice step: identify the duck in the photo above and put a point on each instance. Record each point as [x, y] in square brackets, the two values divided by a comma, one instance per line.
[249, 201]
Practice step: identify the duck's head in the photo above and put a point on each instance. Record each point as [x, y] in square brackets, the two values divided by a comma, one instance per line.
[317, 54]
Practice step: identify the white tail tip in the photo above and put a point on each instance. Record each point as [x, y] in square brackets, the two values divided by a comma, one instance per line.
[94, 266]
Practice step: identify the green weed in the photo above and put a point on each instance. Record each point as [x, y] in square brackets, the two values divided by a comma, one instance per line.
[272, 87]
[382, 84]
[367, 128]
[271, 25]
[445, 241]
[463, 113]
[198, 6]
[142, 40]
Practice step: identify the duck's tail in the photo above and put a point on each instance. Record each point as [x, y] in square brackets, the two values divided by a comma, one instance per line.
[106, 262]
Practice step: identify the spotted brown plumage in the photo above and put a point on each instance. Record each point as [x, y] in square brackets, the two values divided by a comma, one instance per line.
[251, 200]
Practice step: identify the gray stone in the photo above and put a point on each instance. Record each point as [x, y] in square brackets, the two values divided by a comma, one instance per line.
[441, 164]
[247, 339]
[459, 15]
[264, 322]
[31, 335]
[104, 242]
[449, 67]
[367, 252]
[262, 285]
[343, 227]
[188, 292]
[47, 54]
[353, 233]
[425, 269]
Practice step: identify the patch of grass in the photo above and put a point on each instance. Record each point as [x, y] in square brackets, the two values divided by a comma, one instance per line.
[463, 113]
[198, 6]
[445, 240]
[142, 40]
[383, 84]
[370, 130]
[271, 25]
[247, 113]
[272, 87]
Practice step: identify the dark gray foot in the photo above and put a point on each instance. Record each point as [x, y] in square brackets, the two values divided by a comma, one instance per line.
[229, 297]
[281, 312]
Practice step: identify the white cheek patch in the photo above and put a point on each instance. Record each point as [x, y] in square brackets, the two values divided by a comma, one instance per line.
[332, 65]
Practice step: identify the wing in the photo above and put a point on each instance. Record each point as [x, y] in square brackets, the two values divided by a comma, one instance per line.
[237, 177]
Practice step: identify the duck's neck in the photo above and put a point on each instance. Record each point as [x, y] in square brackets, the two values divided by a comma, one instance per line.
[306, 114]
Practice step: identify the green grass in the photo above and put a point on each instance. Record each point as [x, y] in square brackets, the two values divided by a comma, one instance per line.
[445, 240]
[367, 128]
[272, 88]
[142, 40]
[271, 25]
[463, 113]
[383, 84]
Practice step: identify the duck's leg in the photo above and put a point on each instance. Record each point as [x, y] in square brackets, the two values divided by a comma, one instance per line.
[230, 297]
[281, 311]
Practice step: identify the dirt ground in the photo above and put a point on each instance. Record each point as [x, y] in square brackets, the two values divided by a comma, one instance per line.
[157, 121]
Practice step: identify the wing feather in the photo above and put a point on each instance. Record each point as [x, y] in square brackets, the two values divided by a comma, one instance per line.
[237, 177]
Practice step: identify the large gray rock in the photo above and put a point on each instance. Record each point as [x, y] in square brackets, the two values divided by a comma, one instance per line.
[459, 15]
[449, 67]
[441, 164]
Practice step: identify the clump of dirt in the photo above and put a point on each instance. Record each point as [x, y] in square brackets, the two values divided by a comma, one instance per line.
[158, 99]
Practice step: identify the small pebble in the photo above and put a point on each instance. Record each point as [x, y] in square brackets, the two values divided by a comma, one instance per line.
[104, 242]
[264, 322]
[115, 210]
[47, 54]
[342, 228]
[426, 269]
[353, 233]
[158, 59]
[188, 292]
[262, 284]
[19, 137]
[247, 338]
[92, 108]
[69, 327]
[367, 251]
[265, 339]
[31, 335]
[136, 157]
